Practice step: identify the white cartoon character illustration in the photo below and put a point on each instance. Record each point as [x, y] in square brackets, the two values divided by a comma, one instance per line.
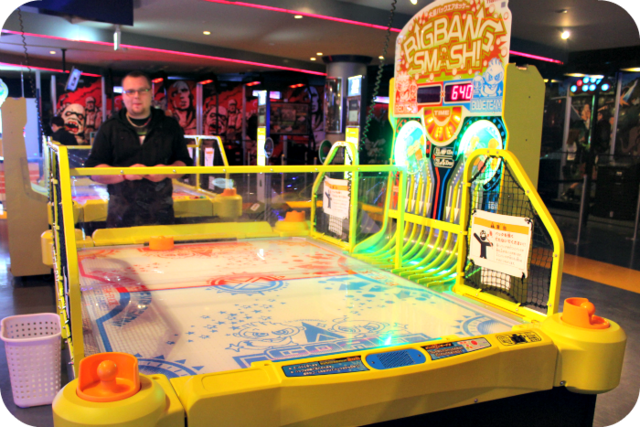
[493, 77]
[264, 335]
[363, 328]
[478, 82]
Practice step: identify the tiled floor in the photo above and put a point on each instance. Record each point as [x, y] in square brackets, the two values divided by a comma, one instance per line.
[605, 244]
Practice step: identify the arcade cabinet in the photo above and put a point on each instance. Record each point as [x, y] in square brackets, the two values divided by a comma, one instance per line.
[425, 286]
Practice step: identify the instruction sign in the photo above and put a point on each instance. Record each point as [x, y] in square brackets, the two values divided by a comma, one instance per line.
[500, 242]
[456, 348]
[326, 367]
[335, 197]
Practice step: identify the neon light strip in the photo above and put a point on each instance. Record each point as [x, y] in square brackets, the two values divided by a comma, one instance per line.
[347, 21]
[173, 52]
[45, 69]
[539, 58]
[309, 15]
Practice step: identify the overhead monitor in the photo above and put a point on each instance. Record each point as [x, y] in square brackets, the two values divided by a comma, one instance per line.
[73, 80]
[355, 86]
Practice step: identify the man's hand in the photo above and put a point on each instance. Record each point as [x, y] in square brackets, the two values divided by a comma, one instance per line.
[136, 177]
[107, 179]
[158, 178]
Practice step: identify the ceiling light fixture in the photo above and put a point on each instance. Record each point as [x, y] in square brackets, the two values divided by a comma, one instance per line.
[205, 82]
[565, 35]
[157, 80]
[313, 58]
[319, 54]
[414, 2]
[257, 82]
[298, 16]
[381, 57]
[562, 11]
[206, 33]
[632, 69]
[297, 85]
[52, 52]
[575, 74]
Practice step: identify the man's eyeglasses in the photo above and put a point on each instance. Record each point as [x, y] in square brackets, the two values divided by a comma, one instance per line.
[132, 92]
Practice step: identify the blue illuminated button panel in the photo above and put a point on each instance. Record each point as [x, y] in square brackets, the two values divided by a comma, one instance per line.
[396, 359]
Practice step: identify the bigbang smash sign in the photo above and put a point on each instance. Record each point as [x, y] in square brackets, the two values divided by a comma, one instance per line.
[466, 41]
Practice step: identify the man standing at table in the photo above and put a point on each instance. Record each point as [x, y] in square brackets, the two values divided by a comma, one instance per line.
[138, 136]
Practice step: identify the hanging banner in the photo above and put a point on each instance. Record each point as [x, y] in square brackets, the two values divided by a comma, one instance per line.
[500, 243]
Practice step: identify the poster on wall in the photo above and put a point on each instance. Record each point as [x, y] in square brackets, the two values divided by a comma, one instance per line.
[313, 96]
[223, 117]
[81, 109]
[114, 107]
[628, 134]
[289, 119]
[159, 95]
[181, 104]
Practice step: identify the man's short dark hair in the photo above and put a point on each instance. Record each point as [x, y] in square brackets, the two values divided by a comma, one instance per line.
[136, 74]
[58, 121]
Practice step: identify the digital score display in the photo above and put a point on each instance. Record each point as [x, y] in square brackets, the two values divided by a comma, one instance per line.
[429, 94]
[458, 92]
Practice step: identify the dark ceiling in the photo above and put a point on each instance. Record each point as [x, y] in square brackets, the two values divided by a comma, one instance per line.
[167, 35]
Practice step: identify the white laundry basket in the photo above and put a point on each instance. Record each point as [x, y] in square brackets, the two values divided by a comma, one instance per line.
[32, 343]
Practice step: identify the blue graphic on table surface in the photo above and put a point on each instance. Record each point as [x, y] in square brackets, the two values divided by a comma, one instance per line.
[199, 330]
[326, 367]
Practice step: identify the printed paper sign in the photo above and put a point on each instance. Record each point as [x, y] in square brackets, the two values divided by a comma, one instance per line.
[208, 156]
[500, 242]
[335, 197]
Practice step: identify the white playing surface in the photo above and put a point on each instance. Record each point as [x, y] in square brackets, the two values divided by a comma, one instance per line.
[212, 307]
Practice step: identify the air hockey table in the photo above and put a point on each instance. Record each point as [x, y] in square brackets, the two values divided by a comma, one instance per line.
[214, 307]
[91, 200]
[302, 331]
[273, 323]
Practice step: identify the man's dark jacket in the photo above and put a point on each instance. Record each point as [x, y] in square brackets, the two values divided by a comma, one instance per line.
[142, 202]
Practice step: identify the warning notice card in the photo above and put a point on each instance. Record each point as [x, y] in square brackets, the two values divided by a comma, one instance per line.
[500, 242]
[335, 197]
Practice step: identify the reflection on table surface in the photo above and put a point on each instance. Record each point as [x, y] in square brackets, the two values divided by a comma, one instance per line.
[211, 307]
